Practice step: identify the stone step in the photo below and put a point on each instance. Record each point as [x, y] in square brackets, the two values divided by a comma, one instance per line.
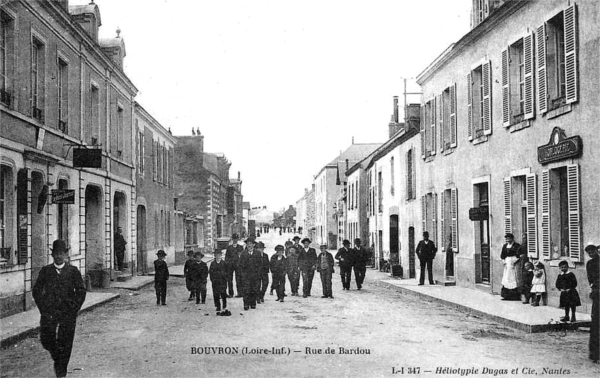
[124, 277]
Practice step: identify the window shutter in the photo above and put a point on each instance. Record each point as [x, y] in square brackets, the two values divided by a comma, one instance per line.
[570, 27]
[441, 120]
[422, 131]
[434, 107]
[487, 97]
[435, 218]
[138, 150]
[154, 161]
[454, 215]
[442, 241]
[507, 205]
[546, 214]
[542, 88]
[531, 189]
[453, 115]
[414, 175]
[574, 212]
[143, 152]
[528, 57]
[505, 88]
[470, 105]
[424, 212]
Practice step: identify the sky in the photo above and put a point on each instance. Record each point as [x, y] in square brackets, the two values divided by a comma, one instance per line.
[280, 87]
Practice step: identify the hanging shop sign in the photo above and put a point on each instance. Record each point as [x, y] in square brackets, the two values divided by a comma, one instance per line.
[63, 196]
[87, 158]
[478, 213]
[559, 147]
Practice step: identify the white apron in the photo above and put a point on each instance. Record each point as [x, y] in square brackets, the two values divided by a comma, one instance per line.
[509, 278]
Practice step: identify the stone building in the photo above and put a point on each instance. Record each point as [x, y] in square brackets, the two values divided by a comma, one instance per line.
[509, 141]
[305, 213]
[156, 226]
[66, 158]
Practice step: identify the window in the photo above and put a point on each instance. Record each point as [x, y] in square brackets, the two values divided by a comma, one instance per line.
[556, 53]
[392, 175]
[6, 56]
[561, 227]
[94, 115]
[429, 214]
[428, 125]
[479, 104]
[63, 95]
[37, 79]
[447, 118]
[154, 160]
[517, 81]
[449, 220]
[6, 214]
[120, 134]
[380, 191]
[520, 212]
[62, 221]
[140, 150]
[411, 188]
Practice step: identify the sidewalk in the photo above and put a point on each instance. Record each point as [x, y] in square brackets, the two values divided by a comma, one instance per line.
[513, 314]
[19, 326]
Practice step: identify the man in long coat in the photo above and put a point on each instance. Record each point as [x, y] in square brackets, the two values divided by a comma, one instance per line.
[345, 256]
[232, 257]
[361, 257]
[307, 261]
[426, 251]
[251, 264]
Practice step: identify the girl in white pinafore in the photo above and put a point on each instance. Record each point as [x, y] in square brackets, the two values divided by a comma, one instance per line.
[538, 282]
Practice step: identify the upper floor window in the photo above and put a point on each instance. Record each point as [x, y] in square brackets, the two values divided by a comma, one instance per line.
[380, 191]
[392, 175]
[120, 134]
[479, 104]
[6, 214]
[428, 127]
[6, 55]
[63, 95]
[140, 150]
[517, 81]
[411, 187]
[447, 118]
[94, 113]
[38, 62]
[556, 53]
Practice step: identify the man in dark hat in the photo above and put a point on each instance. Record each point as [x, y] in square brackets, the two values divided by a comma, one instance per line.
[263, 278]
[250, 263]
[325, 266]
[59, 293]
[361, 257]
[278, 266]
[161, 276]
[426, 251]
[345, 255]
[232, 257]
[593, 273]
[307, 262]
[218, 278]
[119, 248]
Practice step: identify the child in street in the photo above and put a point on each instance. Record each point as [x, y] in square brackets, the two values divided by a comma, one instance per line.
[161, 276]
[198, 276]
[538, 283]
[186, 273]
[566, 282]
[527, 279]
[218, 277]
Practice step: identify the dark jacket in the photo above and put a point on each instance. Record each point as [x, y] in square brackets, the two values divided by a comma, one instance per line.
[292, 260]
[307, 259]
[278, 267]
[59, 294]
[198, 273]
[251, 264]
[232, 255]
[361, 257]
[119, 242]
[514, 250]
[346, 258]
[161, 271]
[265, 264]
[329, 258]
[426, 251]
[218, 276]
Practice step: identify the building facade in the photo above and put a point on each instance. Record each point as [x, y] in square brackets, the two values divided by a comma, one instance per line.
[509, 141]
[156, 226]
[66, 144]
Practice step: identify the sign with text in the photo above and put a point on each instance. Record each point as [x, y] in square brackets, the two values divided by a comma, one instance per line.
[63, 196]
[559, 147]
[87, 158]
[478, 213]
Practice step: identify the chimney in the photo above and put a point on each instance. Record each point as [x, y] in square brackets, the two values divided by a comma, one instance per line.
[87, 16]
[264, 207]
[347, 164]
[413, 115]
[396, 109]
[239, 175]
[394, 126]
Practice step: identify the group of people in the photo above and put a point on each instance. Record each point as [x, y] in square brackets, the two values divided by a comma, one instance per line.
[352, 259]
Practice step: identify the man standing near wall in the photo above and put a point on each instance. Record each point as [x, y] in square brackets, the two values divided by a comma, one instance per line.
[345, 256]
[361, 257]
[426, 250]
[119, 248]
[232, 256]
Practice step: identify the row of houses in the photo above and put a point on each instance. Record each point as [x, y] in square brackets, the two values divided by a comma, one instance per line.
[503, 141]
[80, 158]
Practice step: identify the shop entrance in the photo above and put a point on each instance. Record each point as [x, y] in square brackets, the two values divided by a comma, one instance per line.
[411, 253]
[94, 238]
[39, 248]
[482, 235]
[141, 240]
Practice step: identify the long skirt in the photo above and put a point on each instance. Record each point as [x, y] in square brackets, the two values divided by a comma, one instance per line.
[510, 289]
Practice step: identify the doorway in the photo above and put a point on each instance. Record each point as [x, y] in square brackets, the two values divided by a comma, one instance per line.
[120, 220]
[141, 240]
[394, 250]
[482, 235]
[39, 248]
[94, 238]
[412, 273]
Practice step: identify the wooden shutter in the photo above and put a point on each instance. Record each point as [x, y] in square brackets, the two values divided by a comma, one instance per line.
[434, 106]
[143, 152]
[435, 218]
[442, 241]
[574, 212]
[546, 214]
[470, 105]
[531, 190]
[486, 75]
[542, 87]
[422, 123]
[570, 27]
[528, 57]
[454, 215]
[505, 88]
[154, 161]
[441, 120]
[424, 212]
[453, 115]
[507, 205]
[138, 150]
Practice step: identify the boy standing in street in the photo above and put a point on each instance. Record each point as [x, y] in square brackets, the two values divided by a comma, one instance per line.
[59, 293]
[325, 268]
[218, 277]
[186, 273]
[198, 276]
[161, 276]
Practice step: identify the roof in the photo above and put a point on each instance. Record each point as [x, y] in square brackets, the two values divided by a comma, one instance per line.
[211, 163]
[355, 153]
[86, 9]
[246, 205]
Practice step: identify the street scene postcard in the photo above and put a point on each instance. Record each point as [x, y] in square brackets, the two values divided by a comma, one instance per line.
[284, 188]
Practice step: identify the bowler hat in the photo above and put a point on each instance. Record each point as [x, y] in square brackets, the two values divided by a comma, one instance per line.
[279, 247]
[591, 246]
[217, 251]
[250, 240]
[357, 240]
[59, 245]
[346, 241]
[425, 233]
[260, 245]
[199, 254]
[509, 235]
[305, 240]
[296, 237]
[235, 236]
[190, 252]
[161, 253]
[323, 246]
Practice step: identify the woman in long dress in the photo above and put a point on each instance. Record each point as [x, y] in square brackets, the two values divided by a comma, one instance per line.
[510, 251]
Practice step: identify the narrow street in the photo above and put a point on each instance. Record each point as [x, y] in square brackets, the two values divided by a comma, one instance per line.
[374, 332]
